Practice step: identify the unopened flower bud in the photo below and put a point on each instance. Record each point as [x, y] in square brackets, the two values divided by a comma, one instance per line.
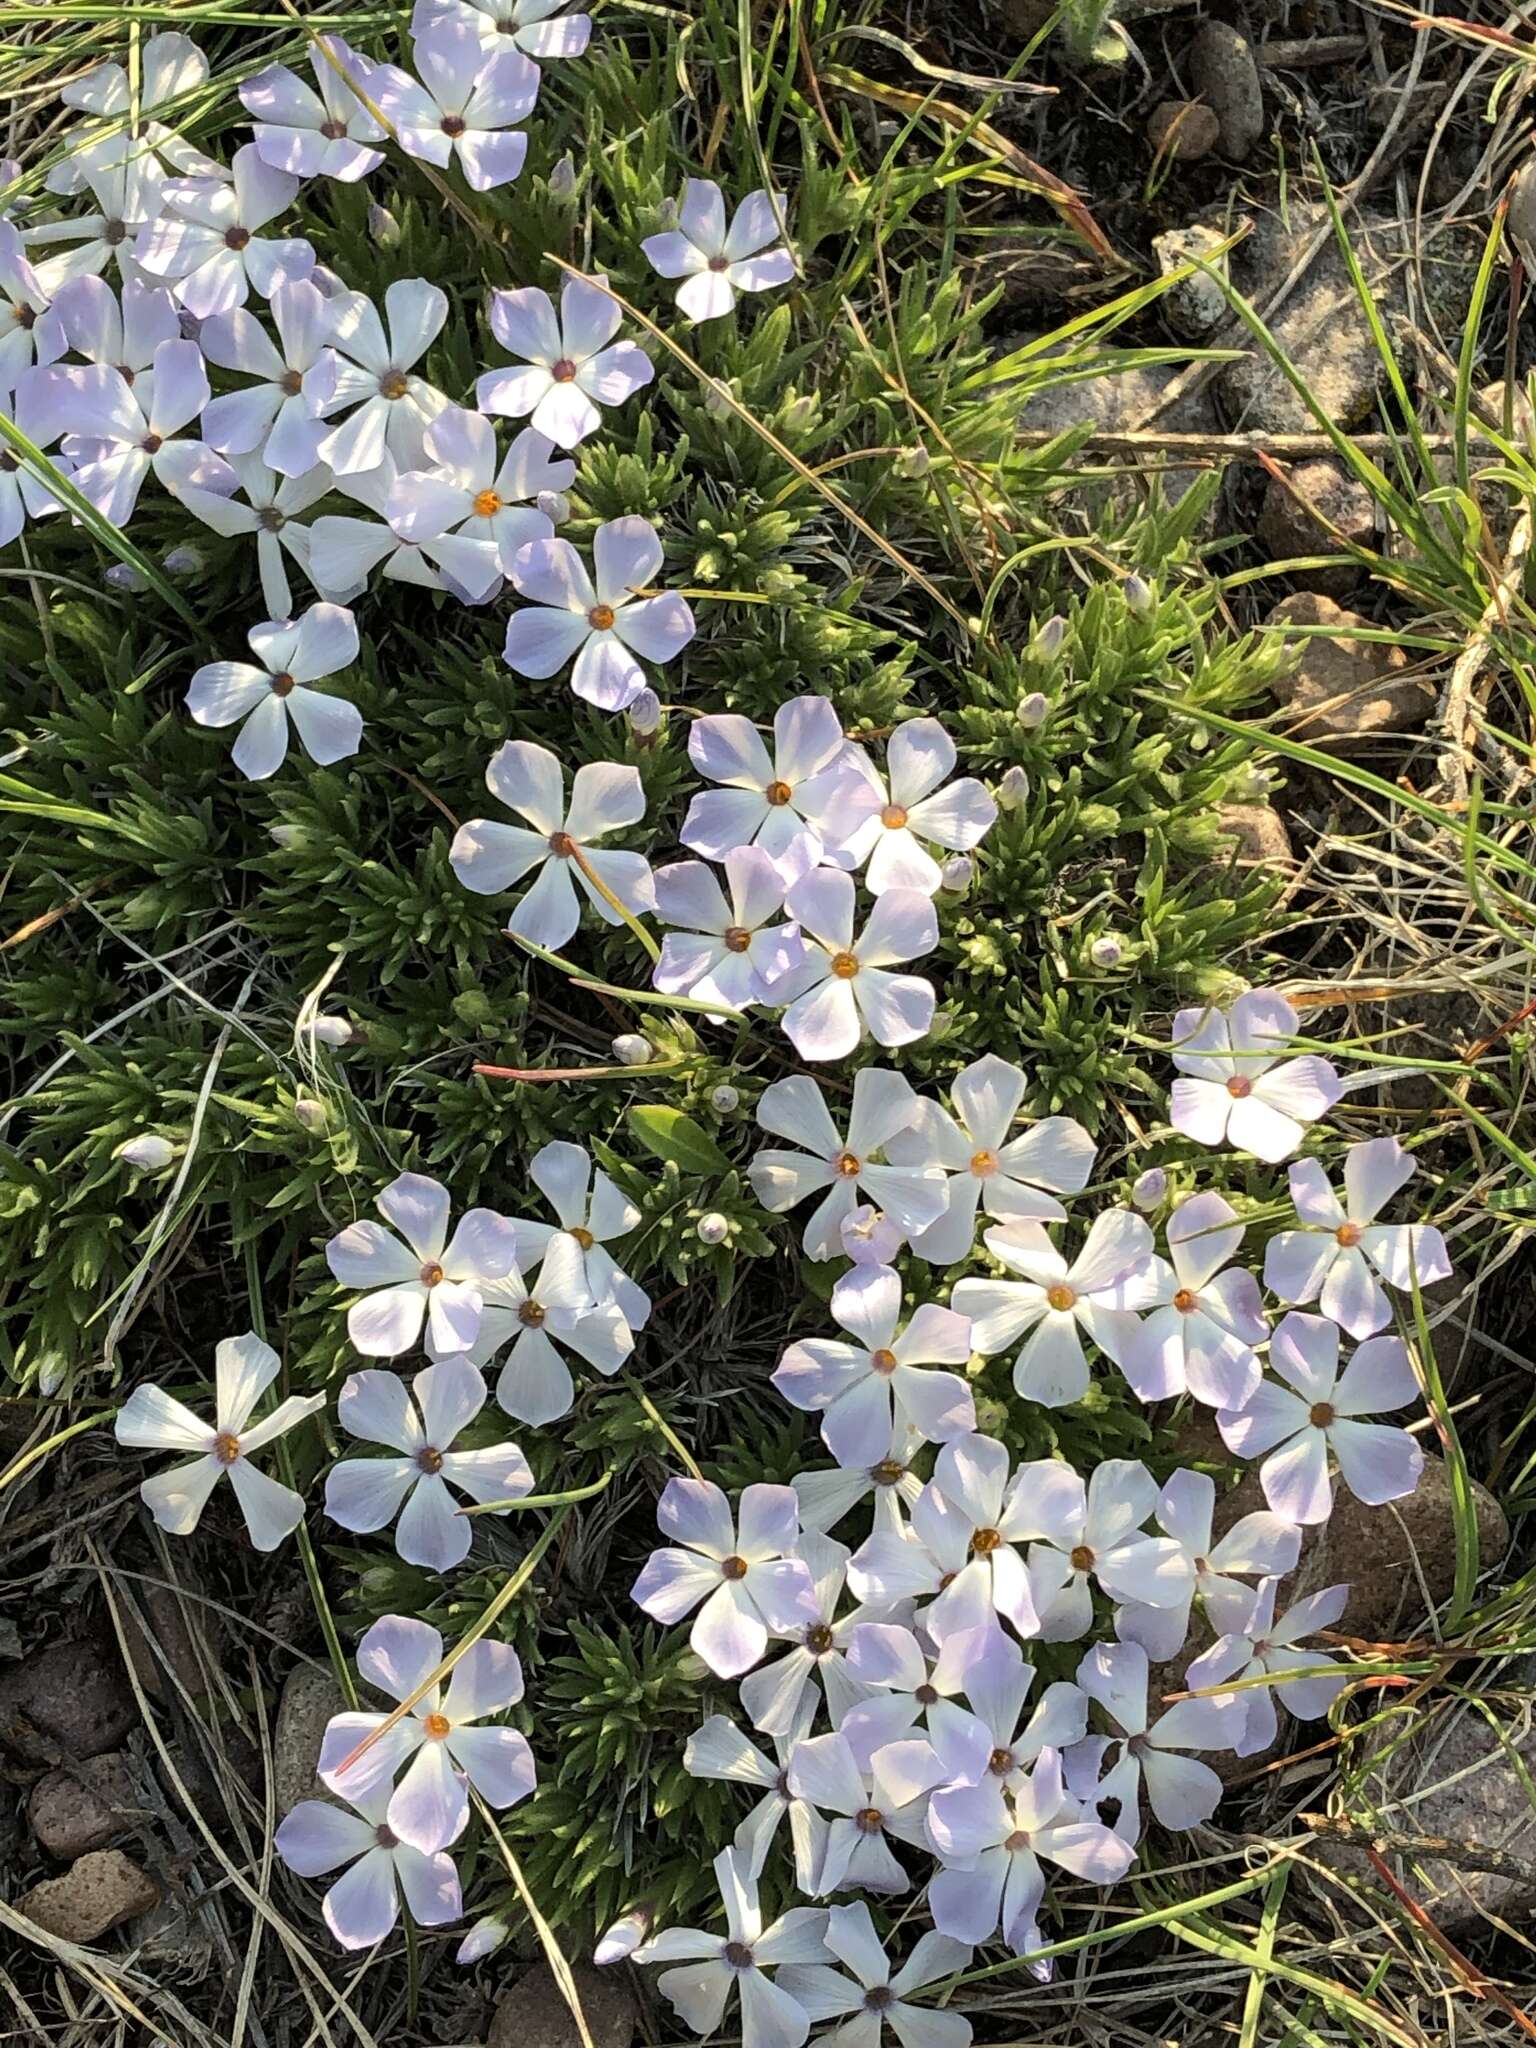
[914, 462]
[724, 1099]
[122, 576]
[52, 1371]
[562, 180]
[1046, 644]
[716, 404]
[331, 1030]
[714, 1228]
[383, 228]
[957, 873]
[624, 1936]
[184, 562]
[1033, 710]
[1013, 790]
[149, 1153]
[555, 506]
[483, 1939]
[666, 215]
[1138, 596]
[1149, 1188]
[286, 836]
[1107, 950]
[799, 412]
[645, 713]
[631, 1050]
[311, 1114]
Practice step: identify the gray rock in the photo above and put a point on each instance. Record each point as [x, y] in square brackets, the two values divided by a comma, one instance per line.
[1114, 403]
[94, 1895]
[310, 1697]
[1225, 73]
[80, 1807]
[1257, 834]
[1342, 510]
[1196, 304]
[1184, 130]
[164, 1640]
[1345, 689]
[534, 2014]
[70, 1701]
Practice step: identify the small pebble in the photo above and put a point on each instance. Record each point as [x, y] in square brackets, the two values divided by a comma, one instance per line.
[95, 1894]
[1184, 130]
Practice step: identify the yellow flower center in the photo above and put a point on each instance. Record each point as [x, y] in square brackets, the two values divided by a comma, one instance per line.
[1185, 1300]
[600, 618]
[844, 966]
[983, 1164]
[1348, 1235]
[893, 817]
[582, 1235]
[985, 1541]
[846, 1165]
[1061, 1296]
[487, 504]
[436, 1725]
[778, 793]
[226, 1448]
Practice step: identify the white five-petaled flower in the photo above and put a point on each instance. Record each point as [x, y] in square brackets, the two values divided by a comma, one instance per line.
[31, 330]
[365, 1494]
[327, 133]
[845, 1164]
[170, 67]
[720, 1751]
[151, 1420]
[472, 90]
[826, 1496]
[744, 1573]
[206, 241]
[892, 824]
[846, 988]
[537, 27]
[345, 550]
[727, 952]
[1235, 1086]
[533, 1320]
[272, 512]
[1321, 1410]
[1010, 1178]
[713, 1965]
[1181, 1791]
[23, 495]
[1339, 1251]
[592, 1213]
[489, 857]
[1057, 1304]
[776, 1693]
[278, 416]
[128, 192]
[463, 489]
[440, 1738]
[715, 261]
[122, 332]
[1206, 1316]
[373, 372]
[598, 619]
[786, 802]
[428, 1278]
[873, 1998]
[1266, 1648]
[868, 1797]
[292, 656]
[571, 365]
[1094, 1532]
[860, 1386]
[364, 1904]
[1259, 1545]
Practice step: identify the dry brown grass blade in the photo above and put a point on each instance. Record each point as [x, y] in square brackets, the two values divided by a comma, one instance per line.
[1468, 1972]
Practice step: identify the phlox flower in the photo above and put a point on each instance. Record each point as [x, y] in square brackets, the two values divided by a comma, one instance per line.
[122, 332]
[465, 491]
[151, 1420]
[775, 1694]
[592, 1213]
[272, 513]
[1094, 1531]
[1340, 1254]
[771, 801]
[727, 952]
[718, 1750]
[571, 365]
[1236, 1088]
[471, 93]
[598, 619]
[345, 550]
[1181, 1791]
[827, 1496]
[439, 1739]
[994, 1842]
[533, 1321]
[873, 1998]
[23, 495]
[859, 1386]
[373, 373]
[128, 194]
[488, 857]
[278, 689]
[207, 242]
[31, 331]
[714, 261]
[1319, 1412]
[539, 28]
[170, 67]
[429, 1278]
[324, 133]
[366, 1494]
[868, 1798]
[892, 824]
[846, 989]
[1057, 1304]
[364, 1904]
[279, 414]
[117, 434]
[869, 1237]
[846, 1164]
[1010, 1178]
[745, 1574]
[1259, 1545]
[1267, 1648]
[1206, 1316]
[714, 1965]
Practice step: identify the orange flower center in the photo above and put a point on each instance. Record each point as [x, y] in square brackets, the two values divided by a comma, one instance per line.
[1017, 1841]
[582, 1235]
[564, 371]
[291, 383]
[1321, 1414]
[983, 1164]
[869, 1820]
[430, 1459]
[1348, 1235]
[844, 966]
[778, 793]
[431, 1274]
[985, 1541]
[1000, 1762]
[283, 684]
[733, 1568]
[1239, 1086]
[883, 1361]
[436, 1725]
[846, 1165]
[531, 1314]
[561, 845]
[1081, 1558]
[737, 939]
[1185, 1300]
[893, 817]
[600, 618]
[487, 504]
[887, 1472]
[819, 1639]
[226, 1448]
[1061, 1296]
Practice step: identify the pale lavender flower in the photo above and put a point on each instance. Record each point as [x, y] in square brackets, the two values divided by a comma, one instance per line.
[151, 1420]
[373, 372]
[31, 331]
[847, 1164]
[278, 415]
[1182, 1792]
[859, 1387]
[892, 825]
[489, 857]
[846, 989]
[873, 1998]
[1324, 1414]
[775, 1694]
[599, 619]
[1267, 1648]
[994, 1842]
[426, 1279]
[1259, 1545]
[121, 332]
[345, 550]
[571, 365]
[727, 952]
[885, 1794]
[471, 93]
[1010, 1178]
[592, 1213]
[170, 67]
[1057, 1304]
[1206, 1316]
[828, 1495]
[277, 690]
[534, 1321]
[1336, 1255]
[268, 508]
[327, 133]
[465, 491]
[1237, 1089]
[716, 261]
[128, 192]
[538, 28]
[207, 240]
[440, 1738]
[780, 802]
[720, 1751]
[366, 1494]
[23, 495]
[715, 1965]
[1094, 1532]
[745, 1575]
[363, 1905]
[869, 1237]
